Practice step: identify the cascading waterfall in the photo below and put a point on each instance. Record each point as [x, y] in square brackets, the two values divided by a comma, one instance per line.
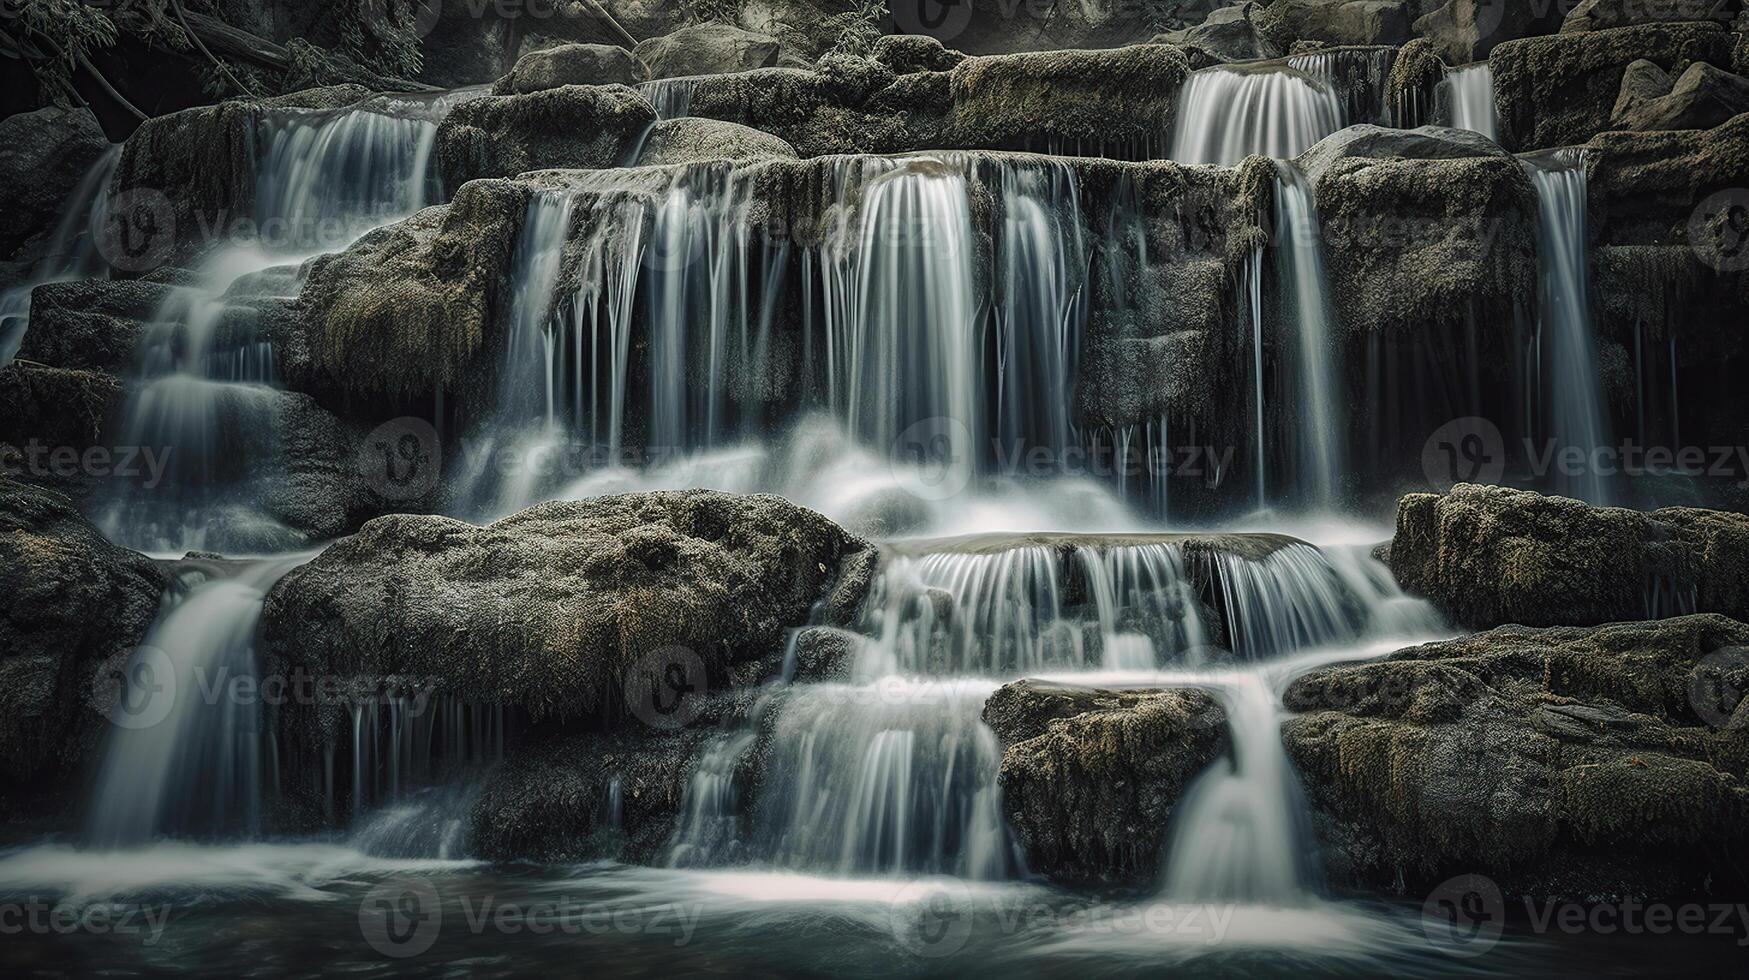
[1225, 115]
[1287, 600]
[1300, 262]
[1467, 95]
[189, 752]
[324, 178]
[1572, 400]
[1357, 75]
[72, 251]
[672, 97]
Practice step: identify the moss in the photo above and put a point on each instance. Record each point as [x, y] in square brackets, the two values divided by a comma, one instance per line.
[581, 127]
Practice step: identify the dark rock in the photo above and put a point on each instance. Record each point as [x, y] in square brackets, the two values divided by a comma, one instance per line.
[1702, 98]
[707, 49]
[74, 603]
[826, 653]
[572, 64]
[54, 410]
[90, 324]
[1465, 31]
[1090, 778]
[549, 609]
[1561, 90]
[578, 127]
[908, 54]
[1337, 22]
[692, 140]
[1600, 15]
[1488, 555]
[1229, 34]
[1562, 763]
[43, 157]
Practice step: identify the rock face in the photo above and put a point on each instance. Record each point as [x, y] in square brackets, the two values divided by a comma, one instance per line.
[1336, 22]
[1702, 98]
[1463, 31]
[707, 49]
[1229, 34]
[1562, 763]
[1562, 90]
[1488, 556]
[572, 64]
[1600, 15]
[580, 127]
[48, 410]
[692, 140]
[549, 609]
[90, 324]
[1090, 778]
[43, 157]
[73, 602]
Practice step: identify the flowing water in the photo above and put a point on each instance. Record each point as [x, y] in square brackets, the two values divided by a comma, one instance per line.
[72, 251]
[1468, 94]
[1225, 115]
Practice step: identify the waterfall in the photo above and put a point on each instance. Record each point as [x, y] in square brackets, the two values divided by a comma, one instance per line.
[672, 97]
[71, 252]
[1289, 600]
[1321, 423]
[1468, 94]
[187, 750]
[432, 824]
[1572, 400]
[324, 178]
[1357, 75]
[708, 831]
[1225, 115]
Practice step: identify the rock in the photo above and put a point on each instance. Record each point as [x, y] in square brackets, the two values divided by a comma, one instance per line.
[74, 603]
[807, 29]
[907, 54]
[91, 324]
[578, 127]
[551, 608]
[1488, 555]
[692, 140]
[1563, 764]
[1465, 31]
[44, 155]
[826, 654]
[406, 308]
[1702, 98]
[1600, 15]
[707, 49]
[52, 415]
[1561, 90]
[1338, 22]
[1003, 27]
[1229, 34]
[1090, 778]
[572, 64]
[1126, 94]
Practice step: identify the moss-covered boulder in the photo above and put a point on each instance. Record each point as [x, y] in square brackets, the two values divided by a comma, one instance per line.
[550, 608]
[44, 155]
[581, 127]
[1562, 763]
[694, 140]
[1487, 556]
[572, 64]
[1090, 778]
[707, 49]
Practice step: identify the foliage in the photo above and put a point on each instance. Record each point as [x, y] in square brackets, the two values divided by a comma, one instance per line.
[711, 11]
[860, 28]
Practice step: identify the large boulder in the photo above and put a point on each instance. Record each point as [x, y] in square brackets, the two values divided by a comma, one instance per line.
[1702, 98]
[75, 603]
[1564, 764]
[1090, 778]
[572, 64]
[692, 140]
[1561, 90]
[91, 324]
[707, 49]
[1229, 34]
[51, 418]
[44, 155]
[1463, 31]
[1337, 22]
[1601, 15]
[578, 127]
[1489, 555]
[551, 609]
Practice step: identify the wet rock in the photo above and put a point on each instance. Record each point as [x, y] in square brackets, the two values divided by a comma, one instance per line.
[691, 140]
[1600, 15]
[572, 64]
[1489, 555]
[1561, 90]
[580, 127]
[1090, 778]
[90, 324]
[1702, 98]
[826, 654]
[1337, 22]
[74, 602]
[1562, 763]
[43, 157]
[707, 49]
[51, 417]
[550, 608]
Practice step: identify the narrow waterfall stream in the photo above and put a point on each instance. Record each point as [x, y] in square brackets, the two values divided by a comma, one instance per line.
[71, 252]
[1226, 115]
[1320, 454]
[1468, 95]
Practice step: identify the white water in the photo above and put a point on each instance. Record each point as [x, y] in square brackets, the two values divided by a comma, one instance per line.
[1572, 399]
[1321, 423]
[71, 253]
[1226, 115]
[1469, 94]
[672, 97]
